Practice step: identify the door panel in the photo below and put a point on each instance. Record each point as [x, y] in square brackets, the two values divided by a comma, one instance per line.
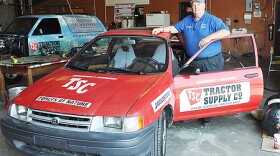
[218, 93]
[47, 38]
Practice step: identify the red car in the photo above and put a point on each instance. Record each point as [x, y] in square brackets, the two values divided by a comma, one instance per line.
[118, 95]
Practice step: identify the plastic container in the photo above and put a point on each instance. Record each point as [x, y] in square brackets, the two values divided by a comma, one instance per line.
[13, 92]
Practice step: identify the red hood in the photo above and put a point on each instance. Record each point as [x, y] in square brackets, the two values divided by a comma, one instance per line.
[85, 93]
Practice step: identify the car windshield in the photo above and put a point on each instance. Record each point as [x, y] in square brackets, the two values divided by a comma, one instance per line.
[20, 26]
[122, 55]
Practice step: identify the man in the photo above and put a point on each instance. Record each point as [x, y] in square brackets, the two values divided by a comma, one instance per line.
[199, 29]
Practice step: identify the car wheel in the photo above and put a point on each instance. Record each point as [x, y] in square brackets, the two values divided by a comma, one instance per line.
[159, 144]
[12, 78]
[271, 115]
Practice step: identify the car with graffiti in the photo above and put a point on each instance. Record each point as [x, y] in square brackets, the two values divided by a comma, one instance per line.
[119, 98]
[33, 35]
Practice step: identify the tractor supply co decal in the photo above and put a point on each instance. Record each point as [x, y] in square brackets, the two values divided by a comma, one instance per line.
[214, 96]
[53, 45]
[64, 101]
[161, 100]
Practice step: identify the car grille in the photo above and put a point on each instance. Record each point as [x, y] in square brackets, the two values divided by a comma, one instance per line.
[60, 121]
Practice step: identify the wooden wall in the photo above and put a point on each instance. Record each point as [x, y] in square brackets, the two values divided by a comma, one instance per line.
[233, 9]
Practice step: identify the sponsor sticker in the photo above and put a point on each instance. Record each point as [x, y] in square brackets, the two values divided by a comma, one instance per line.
[79, 85]
[34, 47]
[214, 96]
[53, 45]
[64, 101]
[161, 100]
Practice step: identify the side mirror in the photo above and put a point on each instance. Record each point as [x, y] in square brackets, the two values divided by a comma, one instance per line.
[189, 69]
[73, 51]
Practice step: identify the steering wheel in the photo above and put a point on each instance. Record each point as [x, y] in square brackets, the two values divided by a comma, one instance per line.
[150, 62]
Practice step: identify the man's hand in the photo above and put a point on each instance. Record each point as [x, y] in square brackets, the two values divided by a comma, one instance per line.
[170, 29]
[204, 41]
[216, 35]
[157, 30]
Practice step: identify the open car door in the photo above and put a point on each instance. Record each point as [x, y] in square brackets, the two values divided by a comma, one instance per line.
[237, 88]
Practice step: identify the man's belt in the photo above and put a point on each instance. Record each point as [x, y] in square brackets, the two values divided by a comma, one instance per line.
[205, 58]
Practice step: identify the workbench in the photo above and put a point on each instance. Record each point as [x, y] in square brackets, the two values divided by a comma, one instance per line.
[30, 66]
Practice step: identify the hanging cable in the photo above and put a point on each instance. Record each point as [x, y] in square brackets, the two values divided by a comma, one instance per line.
[272, 11]
[265, 31]
[94, 7]
[266, 4]
[78, 23]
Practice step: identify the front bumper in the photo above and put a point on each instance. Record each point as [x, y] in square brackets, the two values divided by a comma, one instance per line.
[38, 140]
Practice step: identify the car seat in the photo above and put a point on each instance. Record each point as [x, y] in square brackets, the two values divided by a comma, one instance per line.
[160, 54]
[124, 57]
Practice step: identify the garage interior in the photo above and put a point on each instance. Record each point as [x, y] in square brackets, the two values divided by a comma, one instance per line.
[238, 134]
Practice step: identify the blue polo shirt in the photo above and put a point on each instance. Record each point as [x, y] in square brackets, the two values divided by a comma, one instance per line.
[194, 31]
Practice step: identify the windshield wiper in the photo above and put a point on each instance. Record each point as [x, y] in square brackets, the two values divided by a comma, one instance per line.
[75, 67]
[112, 69]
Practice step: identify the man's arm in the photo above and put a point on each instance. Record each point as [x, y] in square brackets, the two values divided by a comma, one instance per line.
[170, 29]
[216, 35]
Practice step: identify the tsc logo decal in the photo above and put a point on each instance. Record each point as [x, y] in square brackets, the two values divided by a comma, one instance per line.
[194, 96]
[34, 47]
[214, 96]
[78, 84]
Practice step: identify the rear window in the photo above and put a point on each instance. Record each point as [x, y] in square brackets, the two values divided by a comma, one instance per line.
[20, 26]
[83, 24]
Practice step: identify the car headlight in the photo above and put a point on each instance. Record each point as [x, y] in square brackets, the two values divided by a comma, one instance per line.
[18, 112]
[113, 122]
[117, 124]
[134, 123]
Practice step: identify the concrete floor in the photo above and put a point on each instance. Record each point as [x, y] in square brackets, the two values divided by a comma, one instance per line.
[232, 135]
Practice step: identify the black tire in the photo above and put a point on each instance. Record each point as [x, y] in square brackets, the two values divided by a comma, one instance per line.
[12, 78]
[271, 116]
[159, 144]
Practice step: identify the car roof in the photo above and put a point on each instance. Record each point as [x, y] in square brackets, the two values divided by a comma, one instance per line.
[135, 31]
[54, 15]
